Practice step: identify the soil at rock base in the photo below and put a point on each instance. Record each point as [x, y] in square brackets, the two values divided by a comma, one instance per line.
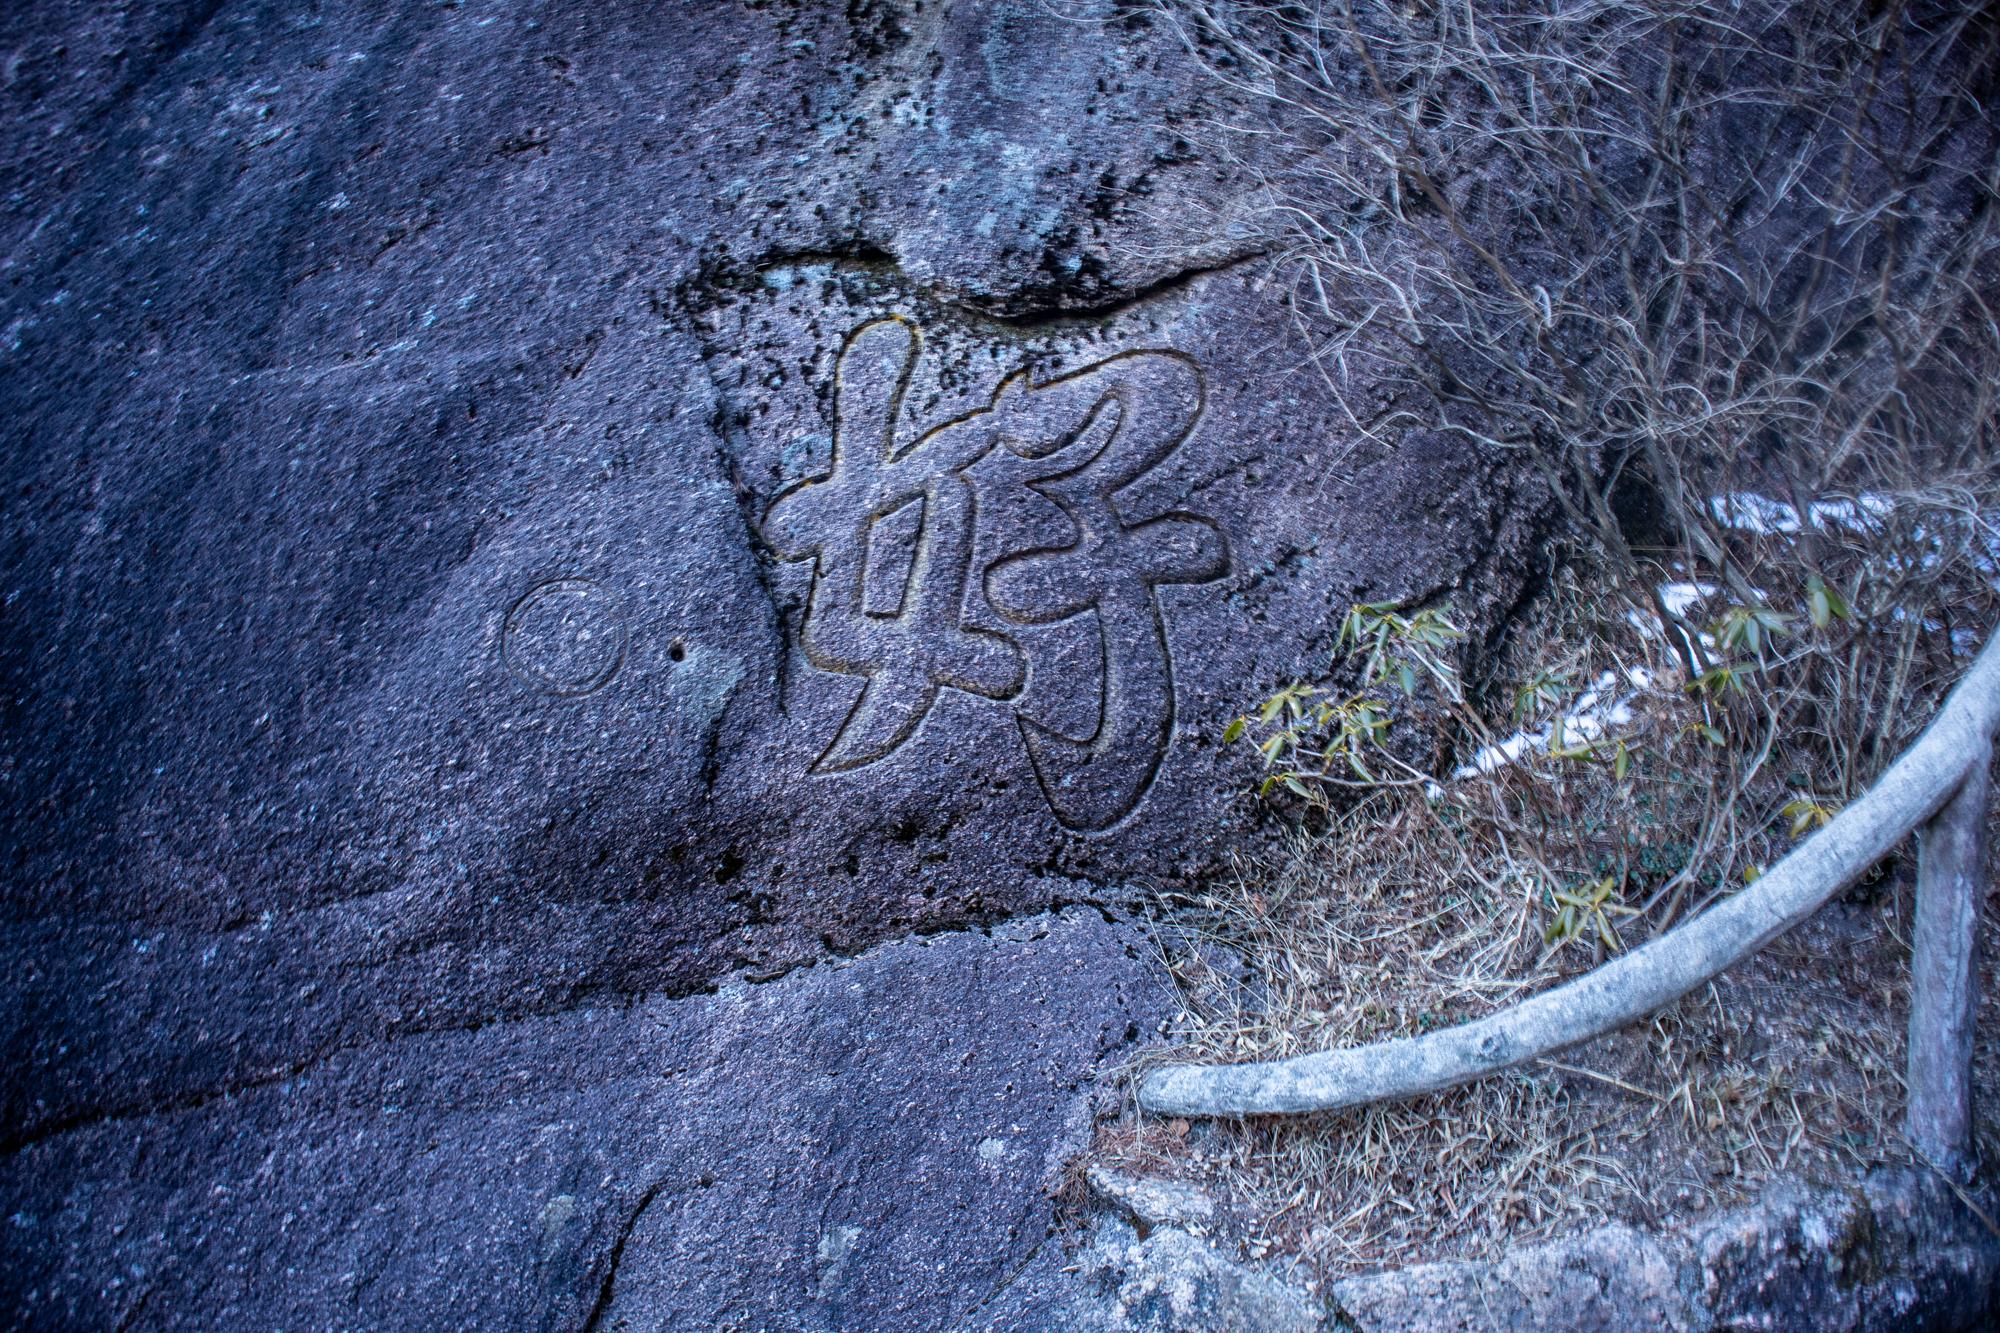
[1787, 1069]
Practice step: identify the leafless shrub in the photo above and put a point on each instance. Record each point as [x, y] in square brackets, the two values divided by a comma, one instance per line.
[1739, 259]
[1703, 243]
[1677, 246]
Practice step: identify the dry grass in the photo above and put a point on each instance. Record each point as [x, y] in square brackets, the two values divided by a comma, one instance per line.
[1787, 1065]
[1405, 910]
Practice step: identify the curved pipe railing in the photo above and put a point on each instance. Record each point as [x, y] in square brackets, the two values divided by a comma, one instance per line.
[1940, 783]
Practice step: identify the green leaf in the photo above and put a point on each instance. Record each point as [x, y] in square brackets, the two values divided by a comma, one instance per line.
[1749, 627]
[1824, 602]
[1234, 731]
[1806, 815]
[1723, 678]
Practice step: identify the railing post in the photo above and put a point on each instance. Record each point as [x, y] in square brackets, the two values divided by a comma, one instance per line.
[1942, 778]
[1944, 973]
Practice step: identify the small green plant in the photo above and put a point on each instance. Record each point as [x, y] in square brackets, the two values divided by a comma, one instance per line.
[1824, 603]
[1400, 648]
[1544, 689]
[1309, 736]
[1723, 679]
[1586, 912]
[1749, 629]
[1807, 813]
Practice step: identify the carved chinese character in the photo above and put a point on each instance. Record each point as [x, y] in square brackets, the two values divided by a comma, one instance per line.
[891, 531]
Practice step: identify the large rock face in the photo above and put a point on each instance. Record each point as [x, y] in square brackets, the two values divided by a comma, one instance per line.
[866, 1145]
[512, 512]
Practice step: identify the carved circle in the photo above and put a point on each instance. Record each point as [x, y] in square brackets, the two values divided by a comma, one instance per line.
[565, 637]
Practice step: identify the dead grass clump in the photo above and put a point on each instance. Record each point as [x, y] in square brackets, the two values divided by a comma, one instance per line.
[1787, 1066]
[1627, 797]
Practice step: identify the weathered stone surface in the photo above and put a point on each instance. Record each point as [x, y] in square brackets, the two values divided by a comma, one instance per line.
[1899, 1250]
[1153, 1203]
[866, 1144]
[425, 466]
[435, 605]
[1167, 1281]
[1610, 1277]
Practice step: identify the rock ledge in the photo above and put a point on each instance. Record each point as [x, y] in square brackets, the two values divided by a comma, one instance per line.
[1898, 1249]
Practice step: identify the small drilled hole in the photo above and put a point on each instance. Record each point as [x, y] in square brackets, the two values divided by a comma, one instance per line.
[677, 650]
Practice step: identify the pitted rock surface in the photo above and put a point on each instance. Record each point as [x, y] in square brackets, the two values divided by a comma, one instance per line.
[512, 512]
[1892, 1248]
[864, 1144]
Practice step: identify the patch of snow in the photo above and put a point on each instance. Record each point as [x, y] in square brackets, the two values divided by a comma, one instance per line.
[1747, 511]
[1501, 753]
[1858, 513]
[1591, 719]
[1680, 598]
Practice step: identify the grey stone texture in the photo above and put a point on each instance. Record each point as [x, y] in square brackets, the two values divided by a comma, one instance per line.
[516, 516]
[864, 1144]
[408, 573]
[1895, 1250]
[1123, 1278]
